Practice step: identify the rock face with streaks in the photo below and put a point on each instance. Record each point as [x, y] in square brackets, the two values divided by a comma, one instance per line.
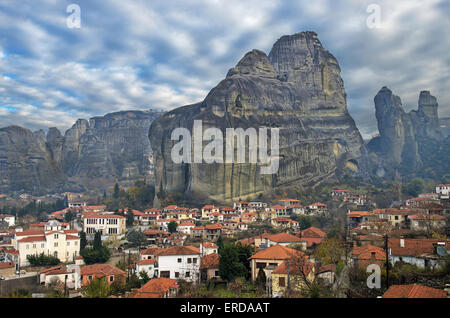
[92, 154]
[402, 135]
[25, 163]
[296, 88]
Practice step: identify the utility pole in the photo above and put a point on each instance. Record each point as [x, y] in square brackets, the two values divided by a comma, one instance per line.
[288, 276]
[386, 248]
[65, 285]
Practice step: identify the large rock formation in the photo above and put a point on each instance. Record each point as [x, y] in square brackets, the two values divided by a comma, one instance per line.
[426, 118]
[24, 161]
[298, 89]
[91, 155]
[397, 138]
[401, 134]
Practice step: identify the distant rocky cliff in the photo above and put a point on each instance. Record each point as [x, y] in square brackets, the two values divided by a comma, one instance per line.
[296, 88]
[92, 154]
[402, 135]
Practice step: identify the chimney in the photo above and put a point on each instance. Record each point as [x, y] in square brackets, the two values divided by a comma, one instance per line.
[373, 257]
[402, 242]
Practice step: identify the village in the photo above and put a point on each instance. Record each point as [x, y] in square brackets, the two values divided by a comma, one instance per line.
[249, 249]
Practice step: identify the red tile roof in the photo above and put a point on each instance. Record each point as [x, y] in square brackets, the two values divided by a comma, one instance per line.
[414, 291]
[30, 232]
[413, 247]
[294, 269]
[209, 245]
[318, 204]
[278, 252]
[210, 261]
[421, 217]
[32, 239]
[101, 270]
[179, 250]
[6, 265]
[215, 226]
[313, 232]
[146, 262]
[156, 288]
[279, 207]
[283, 238]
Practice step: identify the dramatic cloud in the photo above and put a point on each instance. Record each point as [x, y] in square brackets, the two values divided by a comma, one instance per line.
[163, 54]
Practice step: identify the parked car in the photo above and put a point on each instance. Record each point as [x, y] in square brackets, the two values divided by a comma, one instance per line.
[2, 277]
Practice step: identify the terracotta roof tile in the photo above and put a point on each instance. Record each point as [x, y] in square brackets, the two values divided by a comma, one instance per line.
[156, 288]
[210, 261]
[414, 291]
[278, 252]
[179, 250]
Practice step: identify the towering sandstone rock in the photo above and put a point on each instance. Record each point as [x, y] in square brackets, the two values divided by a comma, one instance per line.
[91, 155]
[298, 89]
[401, 134]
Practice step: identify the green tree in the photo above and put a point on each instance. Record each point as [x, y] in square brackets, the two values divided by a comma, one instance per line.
[143, 277]
[230, 266]
[245, 252]
[42, 260]
[133, 281]
[97, 288]
[117, 288]
[116, 192]
[304, 222]
[83, 240]
[130, 219]
[414, 187]
[92, 256]
[97, 240]
[172, 227]
[136, 238]
[219, 243]
[69, 216]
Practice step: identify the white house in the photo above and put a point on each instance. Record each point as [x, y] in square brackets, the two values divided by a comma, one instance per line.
[419, 252]
[207, 248]
[146, 265]
[52, 240]
[443, 189]
[70, 276]
[8, 219]
[105, 222]
[179, 262]
[185, 227]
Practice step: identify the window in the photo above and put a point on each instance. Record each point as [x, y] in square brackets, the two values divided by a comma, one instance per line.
[42, 245]
[111, 278]
[165, 274]
[194, 260]
[188, 274]
[216, 273]
[189, 260]
[179, 260]
[90, 277]
[177, 274]
[282, 282]
[68, 243]
[55, 236]
[56, 244]
[34, 245]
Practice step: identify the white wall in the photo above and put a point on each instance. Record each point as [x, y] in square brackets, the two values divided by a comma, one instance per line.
[170, 263]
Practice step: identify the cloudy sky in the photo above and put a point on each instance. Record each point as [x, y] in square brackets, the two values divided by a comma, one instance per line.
[164, 54]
